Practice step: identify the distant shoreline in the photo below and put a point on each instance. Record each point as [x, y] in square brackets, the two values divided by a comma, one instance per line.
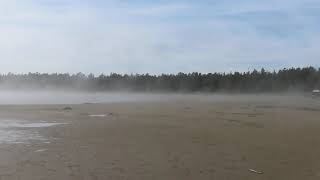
[286, 80]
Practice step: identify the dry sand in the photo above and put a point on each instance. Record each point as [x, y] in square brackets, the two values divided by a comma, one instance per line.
[162, 140]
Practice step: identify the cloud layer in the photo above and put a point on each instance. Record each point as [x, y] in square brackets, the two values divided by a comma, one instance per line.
[159, 37]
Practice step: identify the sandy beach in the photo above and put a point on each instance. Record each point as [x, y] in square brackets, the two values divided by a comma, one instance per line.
[193, 138]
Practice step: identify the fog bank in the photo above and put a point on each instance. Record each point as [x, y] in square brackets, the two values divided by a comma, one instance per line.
[60, 97]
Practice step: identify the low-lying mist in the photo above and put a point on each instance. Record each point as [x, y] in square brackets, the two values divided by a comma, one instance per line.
[286, 85]
[76, 97]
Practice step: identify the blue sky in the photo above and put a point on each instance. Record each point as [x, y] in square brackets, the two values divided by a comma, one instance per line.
[103, 36]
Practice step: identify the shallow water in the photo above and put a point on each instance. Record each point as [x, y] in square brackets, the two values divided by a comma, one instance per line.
[15, 131]
[97, 115]
[41, 150]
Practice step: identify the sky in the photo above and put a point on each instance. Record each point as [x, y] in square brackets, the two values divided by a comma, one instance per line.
[159, 36]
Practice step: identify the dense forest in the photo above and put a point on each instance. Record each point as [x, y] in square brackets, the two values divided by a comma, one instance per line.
[293, 79]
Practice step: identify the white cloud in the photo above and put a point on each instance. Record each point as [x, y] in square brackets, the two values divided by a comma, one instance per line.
[127, 38]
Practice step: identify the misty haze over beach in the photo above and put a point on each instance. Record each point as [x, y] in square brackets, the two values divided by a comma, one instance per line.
[285, 80]
[159, 90]
[69, 97]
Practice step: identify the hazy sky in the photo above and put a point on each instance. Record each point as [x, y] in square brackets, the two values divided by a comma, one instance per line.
[159, 36]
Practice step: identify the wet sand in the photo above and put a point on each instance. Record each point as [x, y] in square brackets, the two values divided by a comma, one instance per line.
[187, 139]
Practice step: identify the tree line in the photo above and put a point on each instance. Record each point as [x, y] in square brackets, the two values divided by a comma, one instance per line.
[293, 79]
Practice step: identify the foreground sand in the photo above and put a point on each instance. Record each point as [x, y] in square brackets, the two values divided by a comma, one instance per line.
[166, 140]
